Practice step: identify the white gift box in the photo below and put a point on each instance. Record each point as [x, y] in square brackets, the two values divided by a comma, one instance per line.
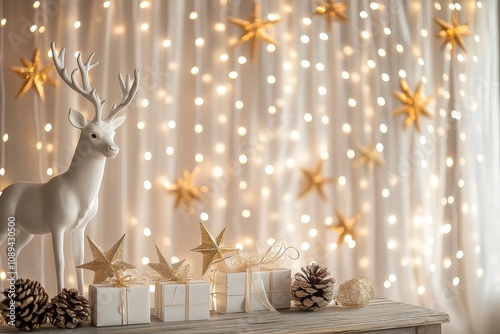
[182, 301]
[230, 291]
[114, 306]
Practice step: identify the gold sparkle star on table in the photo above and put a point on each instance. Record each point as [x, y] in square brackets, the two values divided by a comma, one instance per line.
[414, 105]
[35, 75]
[106, 264]
[185, 192]
[170, 271]
[315, 180]
[368, 156]
[255, 30]
[334, 11]
[453, 33]
[345, 227]
[213, 250]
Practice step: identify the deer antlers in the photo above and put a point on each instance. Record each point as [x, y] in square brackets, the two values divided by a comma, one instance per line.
[86, 91]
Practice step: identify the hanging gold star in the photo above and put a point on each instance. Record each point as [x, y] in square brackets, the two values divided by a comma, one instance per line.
[345, 227]
[315, 180]
[255, 29]
[171, 271]
[106, 264]
[34, 73]
[415, 105]
[212, 250]
[332, 10]
[369, 156]
[184, 190]
[453, 33]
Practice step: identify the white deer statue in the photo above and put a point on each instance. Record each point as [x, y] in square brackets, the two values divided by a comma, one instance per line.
[67, 202]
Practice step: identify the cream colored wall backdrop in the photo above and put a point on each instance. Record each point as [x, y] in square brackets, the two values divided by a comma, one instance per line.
[428, 229]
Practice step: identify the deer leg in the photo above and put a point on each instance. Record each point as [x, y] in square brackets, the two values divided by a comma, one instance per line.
[22, 239]
[78, 253]
[58, 247]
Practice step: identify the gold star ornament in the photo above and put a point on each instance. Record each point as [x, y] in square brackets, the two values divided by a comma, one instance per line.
[345, 228]
[168, 270]
[106, 264]
[213, 250]
[332, 10]
[35, 75]
[315, 180]
[185, 192]
[368, 156]
[453, 33]
[255, 30]
[415, 105]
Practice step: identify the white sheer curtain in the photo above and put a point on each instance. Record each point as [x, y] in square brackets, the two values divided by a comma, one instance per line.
[428, 232]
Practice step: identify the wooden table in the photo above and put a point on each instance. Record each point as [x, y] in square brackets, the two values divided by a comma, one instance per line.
[380, 316]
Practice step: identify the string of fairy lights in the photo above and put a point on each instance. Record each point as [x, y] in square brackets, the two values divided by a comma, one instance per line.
[227, 82]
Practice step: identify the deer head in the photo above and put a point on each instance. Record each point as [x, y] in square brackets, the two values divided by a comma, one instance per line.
[98, 133]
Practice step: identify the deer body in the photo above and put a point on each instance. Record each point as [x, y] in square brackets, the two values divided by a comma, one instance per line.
[67, 202]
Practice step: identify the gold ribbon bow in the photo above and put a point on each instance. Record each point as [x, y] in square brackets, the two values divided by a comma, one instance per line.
[119, 279]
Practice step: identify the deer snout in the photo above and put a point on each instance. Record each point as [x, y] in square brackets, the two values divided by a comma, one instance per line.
[112, 151]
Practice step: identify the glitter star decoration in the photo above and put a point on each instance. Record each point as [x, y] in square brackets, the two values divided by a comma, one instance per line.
[255, 30]
[453, 33]
[35, 75]
[168, 270]
[332, 10]
[184, 190]
[315, 180]
[345, 227]
[213, 250]
[414, 105]
[368, 156]
[106, 264]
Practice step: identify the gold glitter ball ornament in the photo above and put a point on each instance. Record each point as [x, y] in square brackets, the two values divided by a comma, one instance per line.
[356, 292]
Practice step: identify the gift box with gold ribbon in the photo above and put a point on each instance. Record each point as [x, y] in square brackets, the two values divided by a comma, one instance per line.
[118, 295]
[182, 301]
[117, 305]
[177, 296]
[251, 290]
[253, 281]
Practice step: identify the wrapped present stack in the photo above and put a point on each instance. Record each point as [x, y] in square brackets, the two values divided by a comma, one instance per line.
[246, 282]
[118, 296]
[177, 296]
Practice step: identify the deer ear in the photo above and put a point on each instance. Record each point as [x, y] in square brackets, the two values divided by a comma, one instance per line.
[117, 122]
[77, 119]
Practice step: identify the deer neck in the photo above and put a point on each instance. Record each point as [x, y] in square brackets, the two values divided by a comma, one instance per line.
[86, 171]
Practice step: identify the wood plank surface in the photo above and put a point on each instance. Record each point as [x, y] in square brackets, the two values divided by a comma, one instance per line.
[380, 316]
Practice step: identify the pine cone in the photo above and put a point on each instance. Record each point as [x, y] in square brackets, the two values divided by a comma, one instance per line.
[69, 309]
[30, 305]
[311, 290]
